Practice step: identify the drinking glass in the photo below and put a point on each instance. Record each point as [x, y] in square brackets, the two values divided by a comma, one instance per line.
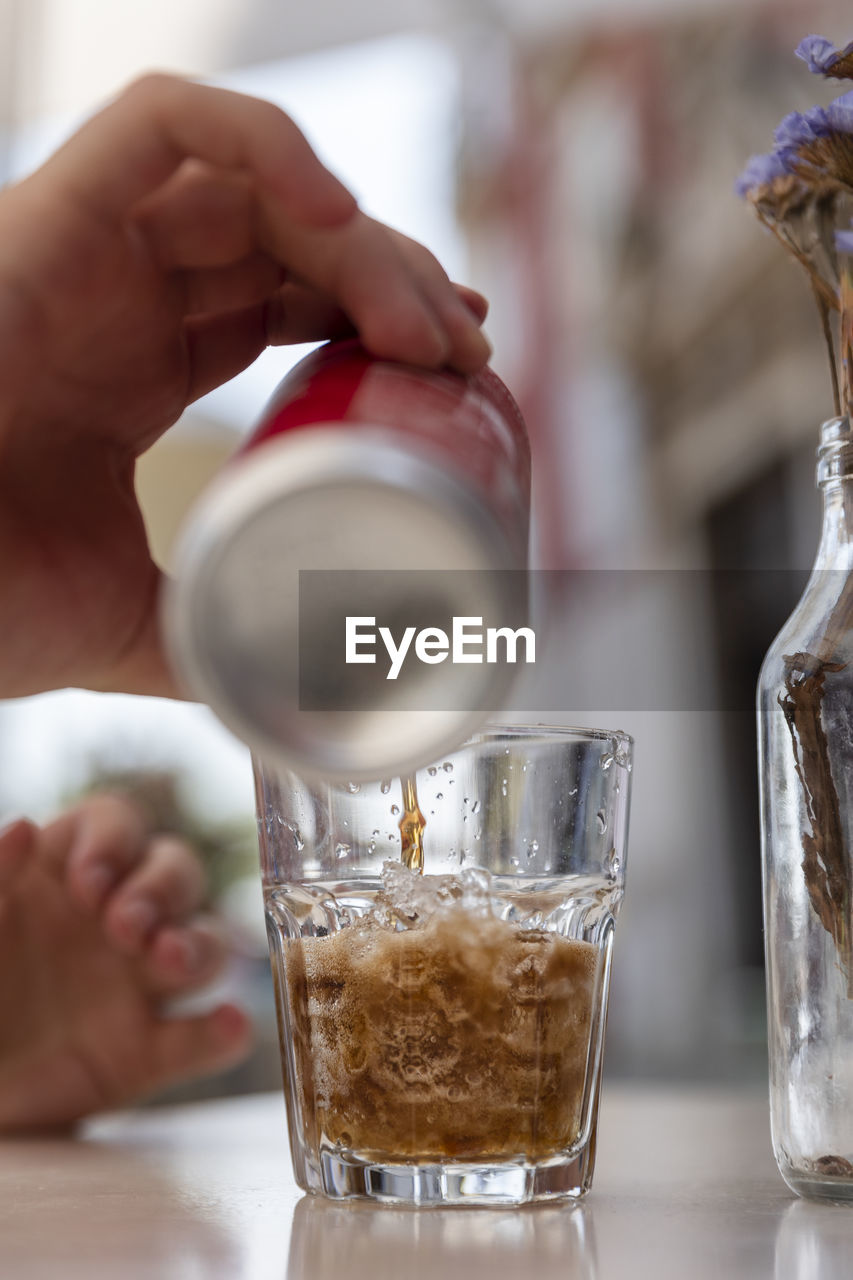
[442, 1029]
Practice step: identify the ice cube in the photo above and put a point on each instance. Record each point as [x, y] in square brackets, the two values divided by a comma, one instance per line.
[412, 898]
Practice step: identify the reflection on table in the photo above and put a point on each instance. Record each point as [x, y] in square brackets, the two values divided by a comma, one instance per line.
[685, 1189]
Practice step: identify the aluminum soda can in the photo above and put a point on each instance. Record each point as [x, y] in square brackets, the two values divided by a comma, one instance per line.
[368, 486]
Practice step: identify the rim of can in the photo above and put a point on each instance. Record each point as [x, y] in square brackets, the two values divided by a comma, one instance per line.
[296, 464]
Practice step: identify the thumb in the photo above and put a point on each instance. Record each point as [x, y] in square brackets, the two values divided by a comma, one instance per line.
[143, 667]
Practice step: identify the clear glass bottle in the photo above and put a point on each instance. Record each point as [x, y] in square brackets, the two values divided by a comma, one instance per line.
[805, 715]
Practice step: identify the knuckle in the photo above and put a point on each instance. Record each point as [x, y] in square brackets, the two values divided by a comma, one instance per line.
[149, 87]
[175, 866]
[275, 118]
[111, 813]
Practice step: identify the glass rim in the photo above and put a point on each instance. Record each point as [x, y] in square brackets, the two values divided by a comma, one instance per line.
[545, 733]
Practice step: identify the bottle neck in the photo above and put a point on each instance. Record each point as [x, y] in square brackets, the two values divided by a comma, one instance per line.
[836, 539]
[835, 480]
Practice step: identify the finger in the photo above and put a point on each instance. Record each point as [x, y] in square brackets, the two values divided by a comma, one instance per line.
[167, 884]
[182, 1048]
[362, 268]
[468, 344]
[474, 301]
[296, 313]
[17, 842]
[137, 142]
[181, 959]
[387, 285]
[95, 845]
[221, 346]
[230, 288]
[199, 217]
[458, 316]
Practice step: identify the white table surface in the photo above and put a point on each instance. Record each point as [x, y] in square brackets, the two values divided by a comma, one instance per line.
[685, 1187]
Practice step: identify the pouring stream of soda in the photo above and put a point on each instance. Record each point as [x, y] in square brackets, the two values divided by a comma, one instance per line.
[412, 825]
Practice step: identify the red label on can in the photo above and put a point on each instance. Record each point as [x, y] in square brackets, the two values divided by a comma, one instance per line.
[470, 424]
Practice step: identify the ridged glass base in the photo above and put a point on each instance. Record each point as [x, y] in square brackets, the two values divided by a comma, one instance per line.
[345, 1177]
[815, 1186]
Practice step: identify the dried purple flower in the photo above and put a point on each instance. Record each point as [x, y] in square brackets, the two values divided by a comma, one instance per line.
[801, 191]
[839, 113]
[824, 59]
[760, 171]
[817, 145]
[801, 127]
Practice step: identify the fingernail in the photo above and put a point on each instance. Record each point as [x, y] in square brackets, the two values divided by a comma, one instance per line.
[137, 918]
[484, 342]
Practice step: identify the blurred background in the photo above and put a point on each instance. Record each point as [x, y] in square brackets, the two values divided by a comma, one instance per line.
[574, 160]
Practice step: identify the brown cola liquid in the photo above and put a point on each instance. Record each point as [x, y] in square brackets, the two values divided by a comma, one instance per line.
[465, 1038]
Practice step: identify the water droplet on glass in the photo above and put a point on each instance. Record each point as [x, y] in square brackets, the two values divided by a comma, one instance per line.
[601, 822]
[432, 770]
[439, 795]
[375, 831]
[532, 848]
[385, 786]
[395, 809]
[503, 786]
[447, 767]
[612, 865]
[513, 862]
[475, 807]
[607, 760]
[295, 832]
[353, 788]
[341, 850]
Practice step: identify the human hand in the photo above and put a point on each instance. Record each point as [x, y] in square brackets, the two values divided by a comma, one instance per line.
[181, 231]
[99, 928]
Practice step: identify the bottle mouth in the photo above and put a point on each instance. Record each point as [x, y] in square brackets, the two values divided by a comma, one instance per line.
[835, 451]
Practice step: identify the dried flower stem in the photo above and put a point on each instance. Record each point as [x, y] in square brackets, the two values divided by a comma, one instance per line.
[825, 865]
[823, 311]
[846, 342]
